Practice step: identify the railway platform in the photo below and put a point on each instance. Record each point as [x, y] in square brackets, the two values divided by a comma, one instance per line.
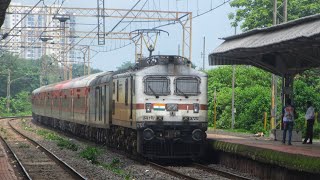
[6, 171]
[270, 154]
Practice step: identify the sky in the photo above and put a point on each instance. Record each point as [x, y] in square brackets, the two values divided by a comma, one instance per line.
[213, 25]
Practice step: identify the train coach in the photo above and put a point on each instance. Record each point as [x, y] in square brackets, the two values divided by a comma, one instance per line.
[157, 109]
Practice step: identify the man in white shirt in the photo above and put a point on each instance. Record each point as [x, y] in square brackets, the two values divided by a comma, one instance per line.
[310, 121]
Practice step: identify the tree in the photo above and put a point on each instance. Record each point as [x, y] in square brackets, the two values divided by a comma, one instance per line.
[258, 13]
[78, 70]
[125, 65]
[252, 96]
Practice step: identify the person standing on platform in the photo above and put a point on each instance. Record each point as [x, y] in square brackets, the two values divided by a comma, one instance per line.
[288, 113]
[310, 122]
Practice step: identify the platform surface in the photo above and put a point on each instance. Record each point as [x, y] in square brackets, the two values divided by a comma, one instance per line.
[298, 156]
[268, 143]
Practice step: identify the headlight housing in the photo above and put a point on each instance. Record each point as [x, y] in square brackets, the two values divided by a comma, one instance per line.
[196, 108]
[197, 135]
[148, 107]
[148, 134]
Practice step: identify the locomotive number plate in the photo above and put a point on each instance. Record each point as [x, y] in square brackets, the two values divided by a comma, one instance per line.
[149, 118]
[193, 118]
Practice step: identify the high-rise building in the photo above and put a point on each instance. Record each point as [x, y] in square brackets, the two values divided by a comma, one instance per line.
[25, 39]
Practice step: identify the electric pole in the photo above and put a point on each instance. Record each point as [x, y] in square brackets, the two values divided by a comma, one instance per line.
[62, 19]
[274, 77]
[203, 53]
[44, 64]
[233, 109]
[8, 90]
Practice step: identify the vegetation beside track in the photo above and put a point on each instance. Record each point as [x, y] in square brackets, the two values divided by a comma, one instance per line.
[90, 153]
[63, 143]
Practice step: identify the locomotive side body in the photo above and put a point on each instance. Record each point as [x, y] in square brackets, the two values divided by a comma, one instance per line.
[157, 110]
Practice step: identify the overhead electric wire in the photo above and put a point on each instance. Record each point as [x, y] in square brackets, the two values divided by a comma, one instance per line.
[201, 14]
[123, 18]
[8, 33]
[224, 2]
[139, 12]
[32, 43]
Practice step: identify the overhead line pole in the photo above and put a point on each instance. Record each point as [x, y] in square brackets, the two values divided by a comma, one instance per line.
[233, 82]
[285, 18]
[274, 77]
[101, 23]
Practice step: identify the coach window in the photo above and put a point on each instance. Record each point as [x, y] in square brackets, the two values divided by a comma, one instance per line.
[126, 92]
[113, 87]
[117, 90]
[157, 86]
[133, 86]
[103, 102]
[97, 101]
[187, 86]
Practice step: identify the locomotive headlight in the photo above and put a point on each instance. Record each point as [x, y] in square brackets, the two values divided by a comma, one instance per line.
[148, 107]
[197, 135]
[196, 108]
[148, 134]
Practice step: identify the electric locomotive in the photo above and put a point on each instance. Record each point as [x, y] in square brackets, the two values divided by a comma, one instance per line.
[158, 108]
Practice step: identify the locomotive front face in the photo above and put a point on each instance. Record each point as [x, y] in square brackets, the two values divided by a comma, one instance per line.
[171, 111]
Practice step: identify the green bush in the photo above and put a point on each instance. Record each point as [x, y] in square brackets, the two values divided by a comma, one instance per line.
[61, 142]
[257, 127]
[316, 131]
[91, 154]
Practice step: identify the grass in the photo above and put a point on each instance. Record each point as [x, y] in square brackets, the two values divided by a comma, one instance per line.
[115, 166]
[89, 153]
[61, 142]
[240, 131]
[27, 127]
[3, 130]
[23, 145]
[92, 154]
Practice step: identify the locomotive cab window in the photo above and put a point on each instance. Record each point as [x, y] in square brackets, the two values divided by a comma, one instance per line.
[187, 86]
[157, 86]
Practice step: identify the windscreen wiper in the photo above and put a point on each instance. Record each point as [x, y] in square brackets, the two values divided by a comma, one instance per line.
[154, 93]
[182, 92]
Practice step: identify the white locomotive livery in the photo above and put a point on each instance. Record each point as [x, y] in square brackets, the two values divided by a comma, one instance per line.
[157, 108]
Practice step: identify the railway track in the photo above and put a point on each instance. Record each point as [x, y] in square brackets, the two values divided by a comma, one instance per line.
[205, 171]
[171, 171]
[225, 174]
[195, 167]
[36, 161]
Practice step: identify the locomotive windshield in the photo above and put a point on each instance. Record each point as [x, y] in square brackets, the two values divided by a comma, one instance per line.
[157, 86]
[187, 86]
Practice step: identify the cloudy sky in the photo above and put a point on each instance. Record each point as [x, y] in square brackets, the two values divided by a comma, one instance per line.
[212, 25]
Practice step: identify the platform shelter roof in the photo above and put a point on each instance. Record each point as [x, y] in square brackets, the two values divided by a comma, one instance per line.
[288, 48]
[3, 7]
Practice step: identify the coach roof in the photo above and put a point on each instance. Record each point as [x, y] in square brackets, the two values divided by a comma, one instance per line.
[69, 84]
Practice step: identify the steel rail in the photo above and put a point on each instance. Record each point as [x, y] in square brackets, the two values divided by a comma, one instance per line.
[170, 171]
[8, 117]
[220, 172]
[16, 157]
[52, 156]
